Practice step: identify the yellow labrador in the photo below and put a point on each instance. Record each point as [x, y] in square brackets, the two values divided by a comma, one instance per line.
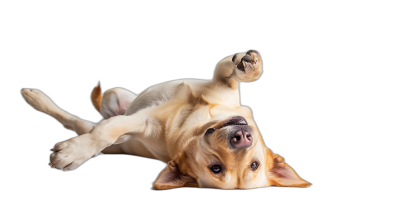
[198, 127]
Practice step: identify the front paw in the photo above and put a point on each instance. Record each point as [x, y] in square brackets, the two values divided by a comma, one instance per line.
[249, 67]
[248, 61]
[70, 154]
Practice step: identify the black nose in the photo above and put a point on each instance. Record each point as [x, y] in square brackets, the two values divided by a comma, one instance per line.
[241, 139]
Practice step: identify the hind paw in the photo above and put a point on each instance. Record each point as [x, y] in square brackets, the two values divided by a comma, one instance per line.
[38, 100]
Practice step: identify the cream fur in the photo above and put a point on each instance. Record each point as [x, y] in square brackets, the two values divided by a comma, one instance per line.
[168, 122]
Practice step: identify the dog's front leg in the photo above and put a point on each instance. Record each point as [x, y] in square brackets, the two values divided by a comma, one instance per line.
[72, 153]
[240, 67]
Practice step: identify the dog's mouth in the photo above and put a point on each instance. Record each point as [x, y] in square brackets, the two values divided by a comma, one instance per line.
[234, 121]
[238, 134]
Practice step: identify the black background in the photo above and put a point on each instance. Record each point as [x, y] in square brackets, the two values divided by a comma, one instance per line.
[66, 58]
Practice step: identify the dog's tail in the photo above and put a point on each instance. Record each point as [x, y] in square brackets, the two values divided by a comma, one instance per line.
[96, 97]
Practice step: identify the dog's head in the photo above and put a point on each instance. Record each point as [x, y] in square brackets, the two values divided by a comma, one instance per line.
[228, 153]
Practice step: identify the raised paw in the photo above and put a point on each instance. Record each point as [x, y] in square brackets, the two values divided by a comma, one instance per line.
[248, 67]
[248, 61]
[70, 154]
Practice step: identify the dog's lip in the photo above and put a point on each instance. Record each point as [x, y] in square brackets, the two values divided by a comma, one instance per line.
[238, 120]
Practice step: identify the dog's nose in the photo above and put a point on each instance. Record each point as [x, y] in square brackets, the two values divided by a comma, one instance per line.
[242, 139]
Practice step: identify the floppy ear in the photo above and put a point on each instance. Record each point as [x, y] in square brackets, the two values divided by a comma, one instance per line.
[283, 175]
[171, 177]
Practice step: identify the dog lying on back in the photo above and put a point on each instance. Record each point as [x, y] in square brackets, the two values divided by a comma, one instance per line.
[198, 127]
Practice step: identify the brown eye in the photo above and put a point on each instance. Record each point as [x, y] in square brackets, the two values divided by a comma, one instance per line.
[254, 166]
[210, 131]
[216, 169]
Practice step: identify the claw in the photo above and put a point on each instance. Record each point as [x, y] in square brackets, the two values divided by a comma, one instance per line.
[234, 58]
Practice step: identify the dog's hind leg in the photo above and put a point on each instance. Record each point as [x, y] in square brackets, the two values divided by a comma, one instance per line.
[38, 100]
[114, 102]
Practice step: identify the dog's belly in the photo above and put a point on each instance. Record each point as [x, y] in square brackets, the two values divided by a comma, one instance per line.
[146, 147]
[161, 93]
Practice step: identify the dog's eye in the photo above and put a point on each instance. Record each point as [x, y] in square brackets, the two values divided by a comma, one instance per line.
[216, 169]
[254, 166]
[210, 131]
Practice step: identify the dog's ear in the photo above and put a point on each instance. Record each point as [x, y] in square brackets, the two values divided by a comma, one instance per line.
[172, 177]
[281, 174]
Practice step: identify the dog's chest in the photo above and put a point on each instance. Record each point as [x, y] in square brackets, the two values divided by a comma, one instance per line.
[147, 147]
[184, 91]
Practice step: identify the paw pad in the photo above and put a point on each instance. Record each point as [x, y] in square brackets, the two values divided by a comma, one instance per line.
[245, 62]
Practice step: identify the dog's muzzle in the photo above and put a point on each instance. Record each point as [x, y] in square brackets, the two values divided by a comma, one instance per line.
[241, 139]
[240, 134]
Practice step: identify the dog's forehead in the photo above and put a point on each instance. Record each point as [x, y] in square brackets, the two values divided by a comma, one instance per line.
[238, 174]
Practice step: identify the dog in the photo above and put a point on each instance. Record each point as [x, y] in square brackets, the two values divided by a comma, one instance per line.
[197, 127]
